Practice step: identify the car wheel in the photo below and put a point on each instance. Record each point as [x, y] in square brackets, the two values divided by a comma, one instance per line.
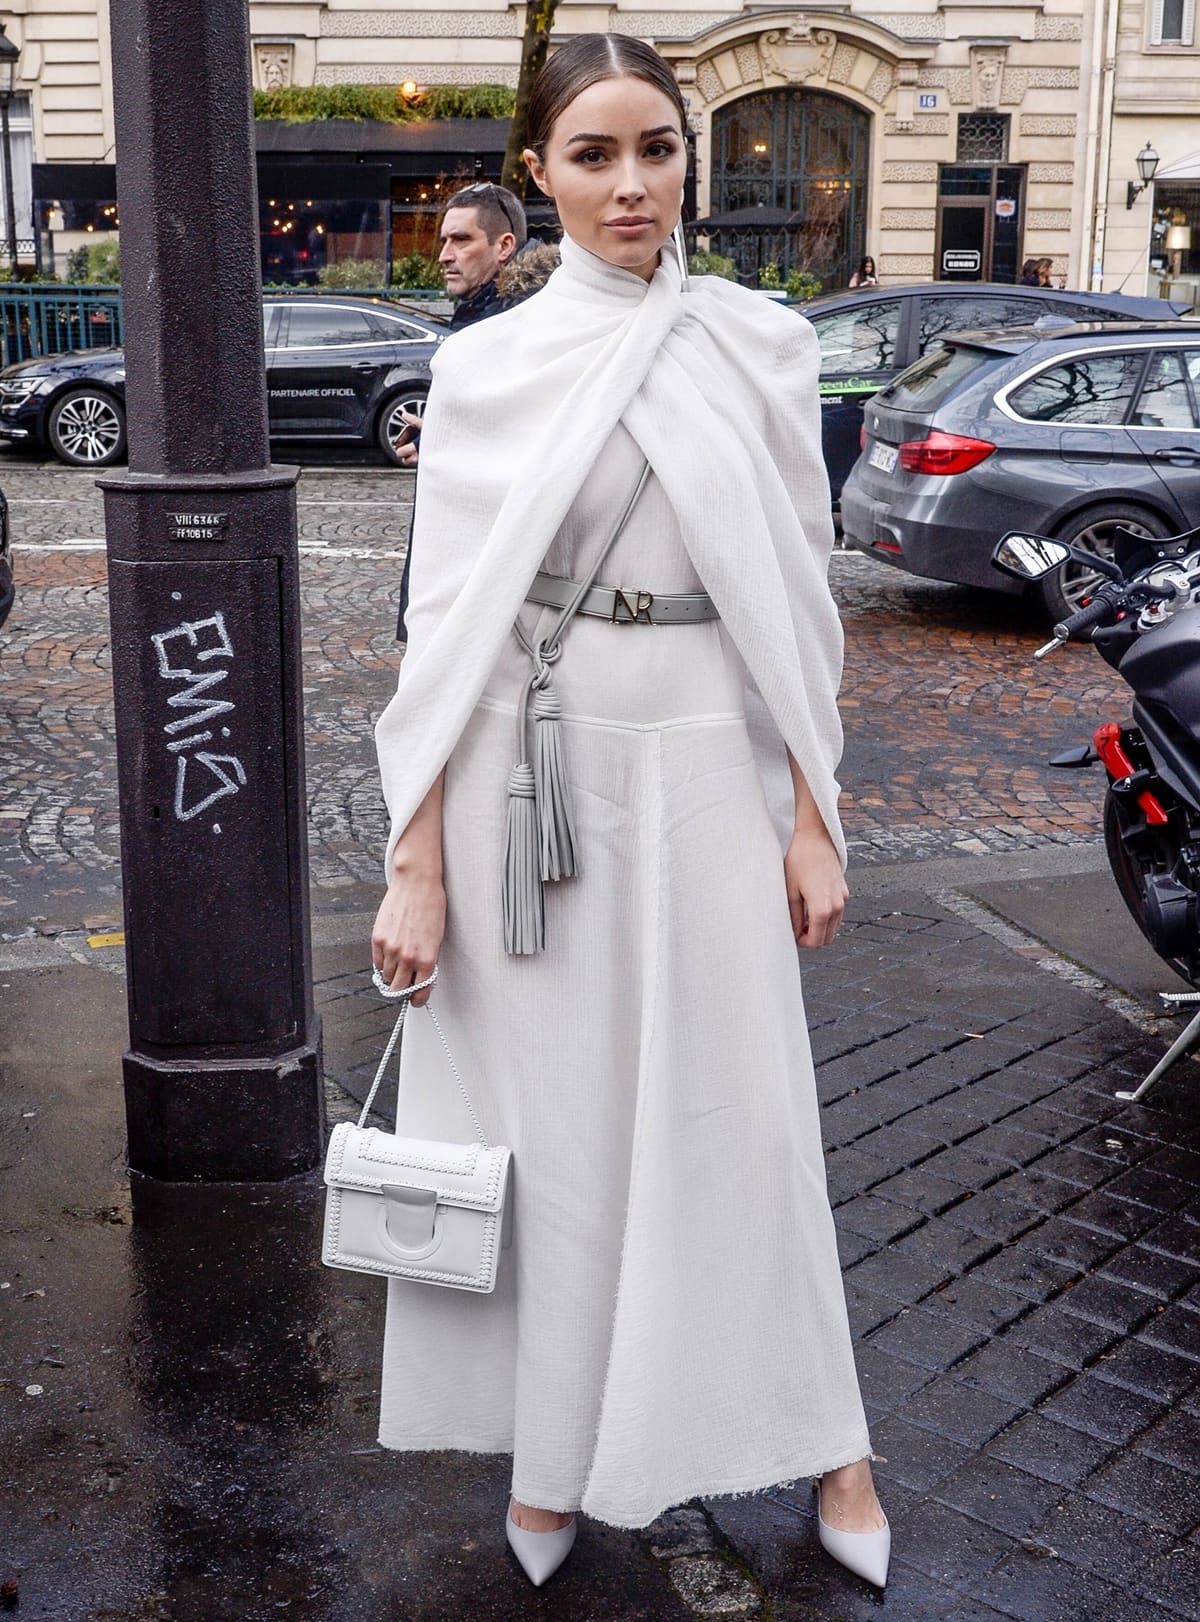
[391, 423]
[1092, 531]
[87, 428]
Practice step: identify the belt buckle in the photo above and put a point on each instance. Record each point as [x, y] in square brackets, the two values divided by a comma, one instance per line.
[635, 611]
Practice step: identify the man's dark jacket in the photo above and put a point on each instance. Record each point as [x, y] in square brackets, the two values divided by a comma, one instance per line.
[524, 274]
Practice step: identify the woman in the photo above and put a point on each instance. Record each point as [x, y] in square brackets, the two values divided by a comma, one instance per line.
[670, 1321]
[1045, 272]
[865, 275]
[1029, 274]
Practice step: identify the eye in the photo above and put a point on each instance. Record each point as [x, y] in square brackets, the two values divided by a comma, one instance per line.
[661, 149]
[590, 152]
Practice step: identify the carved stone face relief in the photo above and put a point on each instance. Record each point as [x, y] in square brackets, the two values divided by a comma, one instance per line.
[798, 53]
[989, 77]
[273, 66]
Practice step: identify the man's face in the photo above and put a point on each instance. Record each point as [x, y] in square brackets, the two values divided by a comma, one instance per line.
[467, 257]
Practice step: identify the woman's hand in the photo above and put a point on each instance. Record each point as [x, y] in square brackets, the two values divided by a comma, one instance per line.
[816, 887]
[411, 922]
[409, 929]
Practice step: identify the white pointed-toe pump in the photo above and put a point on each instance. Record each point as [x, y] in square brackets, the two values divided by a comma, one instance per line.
[540, 1553]
[866, 1554]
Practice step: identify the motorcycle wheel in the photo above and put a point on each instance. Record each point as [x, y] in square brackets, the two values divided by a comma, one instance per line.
[1130, 875]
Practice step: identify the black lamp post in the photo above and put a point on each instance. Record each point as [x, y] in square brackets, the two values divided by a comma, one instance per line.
[1147, 163]
[9, 57]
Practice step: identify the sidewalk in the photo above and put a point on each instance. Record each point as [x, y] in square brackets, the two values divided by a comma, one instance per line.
[188, 1402]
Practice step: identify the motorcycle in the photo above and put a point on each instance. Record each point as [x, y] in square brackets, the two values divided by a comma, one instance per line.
[1143, 618]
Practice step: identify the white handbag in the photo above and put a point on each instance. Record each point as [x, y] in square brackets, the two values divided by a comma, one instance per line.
[439, 1213]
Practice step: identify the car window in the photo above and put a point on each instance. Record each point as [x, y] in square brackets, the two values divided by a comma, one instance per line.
[962, 311]
[859, 340]
[1164, 401]
[1095, 389]
[327, 325]
[1191, 360]
[928, 381]
[398, 330]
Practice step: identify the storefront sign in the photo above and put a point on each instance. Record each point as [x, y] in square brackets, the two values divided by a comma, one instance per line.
[1006, 207]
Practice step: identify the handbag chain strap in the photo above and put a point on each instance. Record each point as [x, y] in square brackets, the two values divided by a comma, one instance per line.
[404, 995]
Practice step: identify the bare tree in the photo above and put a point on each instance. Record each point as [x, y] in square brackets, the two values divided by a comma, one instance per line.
[539, 20]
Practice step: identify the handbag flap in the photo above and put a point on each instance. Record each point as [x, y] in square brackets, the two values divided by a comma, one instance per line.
[468, 1174]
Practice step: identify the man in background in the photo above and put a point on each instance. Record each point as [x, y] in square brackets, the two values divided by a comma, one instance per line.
[483, 233]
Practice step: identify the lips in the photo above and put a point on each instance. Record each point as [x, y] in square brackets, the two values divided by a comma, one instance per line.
[629, 226]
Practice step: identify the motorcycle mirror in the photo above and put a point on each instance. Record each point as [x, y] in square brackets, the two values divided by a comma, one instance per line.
[1032, 557]
[1029, 557]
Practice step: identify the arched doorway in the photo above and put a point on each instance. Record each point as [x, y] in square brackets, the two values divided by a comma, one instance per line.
[804, 152]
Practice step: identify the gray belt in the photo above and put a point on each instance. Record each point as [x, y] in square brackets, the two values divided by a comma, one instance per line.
[624, 607]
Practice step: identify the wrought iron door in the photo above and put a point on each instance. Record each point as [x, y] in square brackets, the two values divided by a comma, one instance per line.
[805, 151]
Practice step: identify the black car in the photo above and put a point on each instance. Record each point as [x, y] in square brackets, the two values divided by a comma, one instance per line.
[338, 368]
[869, 336]
[1074, 434]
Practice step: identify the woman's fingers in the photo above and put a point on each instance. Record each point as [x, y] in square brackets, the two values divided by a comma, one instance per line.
[815, 922]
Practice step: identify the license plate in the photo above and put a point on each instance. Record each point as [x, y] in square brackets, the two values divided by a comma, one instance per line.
[883, 457]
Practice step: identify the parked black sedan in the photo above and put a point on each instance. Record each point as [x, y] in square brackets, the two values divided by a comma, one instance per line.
[867, 337]
[338, 368]
[1074, 434]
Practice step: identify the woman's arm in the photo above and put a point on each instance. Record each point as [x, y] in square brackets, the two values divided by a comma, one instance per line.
[411, 921]
[816, 886]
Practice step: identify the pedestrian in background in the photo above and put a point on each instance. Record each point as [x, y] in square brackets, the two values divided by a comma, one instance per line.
[489, 264]
[671, 1319]
[1029, 274]
[865, 275]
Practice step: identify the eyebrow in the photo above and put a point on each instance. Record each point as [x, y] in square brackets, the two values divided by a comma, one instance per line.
[611, 140]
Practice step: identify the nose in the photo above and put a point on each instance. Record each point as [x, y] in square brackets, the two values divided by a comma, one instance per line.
[446, 255]
[629, 184]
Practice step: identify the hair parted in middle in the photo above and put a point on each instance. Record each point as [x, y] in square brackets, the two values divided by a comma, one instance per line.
[587, 60]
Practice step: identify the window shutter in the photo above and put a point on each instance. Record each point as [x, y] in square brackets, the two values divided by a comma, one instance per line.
[1172, 23]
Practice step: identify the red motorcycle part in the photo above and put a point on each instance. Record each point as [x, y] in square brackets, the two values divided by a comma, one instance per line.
[1108, 745]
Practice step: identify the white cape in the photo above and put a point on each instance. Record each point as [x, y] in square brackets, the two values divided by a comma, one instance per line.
[718, 386]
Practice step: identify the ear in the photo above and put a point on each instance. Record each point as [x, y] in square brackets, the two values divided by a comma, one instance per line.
[506, 246]
[537, 169]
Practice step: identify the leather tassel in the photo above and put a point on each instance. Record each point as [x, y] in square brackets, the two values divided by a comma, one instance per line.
[522, 902]
[556, 825]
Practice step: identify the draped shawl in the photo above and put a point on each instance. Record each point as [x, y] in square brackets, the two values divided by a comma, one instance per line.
[718, 387]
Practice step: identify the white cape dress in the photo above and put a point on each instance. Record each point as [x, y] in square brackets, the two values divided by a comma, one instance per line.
[670, 1320]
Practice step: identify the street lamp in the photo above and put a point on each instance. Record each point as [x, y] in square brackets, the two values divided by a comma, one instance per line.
[1147, 163]
[9, 57]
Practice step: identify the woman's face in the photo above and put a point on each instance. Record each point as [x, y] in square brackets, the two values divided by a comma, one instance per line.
[614, 165]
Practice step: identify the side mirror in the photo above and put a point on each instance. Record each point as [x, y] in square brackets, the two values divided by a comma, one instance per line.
[1029, 557]
[1032, 557]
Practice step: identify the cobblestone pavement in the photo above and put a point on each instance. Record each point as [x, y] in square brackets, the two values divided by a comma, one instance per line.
[948, 723]
[1021, 1250]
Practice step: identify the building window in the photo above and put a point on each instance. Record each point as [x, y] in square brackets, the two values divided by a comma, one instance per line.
[983, 137]
[1172, 22]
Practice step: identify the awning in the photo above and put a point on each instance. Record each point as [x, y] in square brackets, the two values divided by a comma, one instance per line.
[326, 136]
[1180, 168]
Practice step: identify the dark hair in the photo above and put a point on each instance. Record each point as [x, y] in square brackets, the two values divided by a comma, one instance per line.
[864, 262]
[589, 59]
[498, 209]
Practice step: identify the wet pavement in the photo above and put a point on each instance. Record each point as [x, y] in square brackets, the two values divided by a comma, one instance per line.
[188, 1398]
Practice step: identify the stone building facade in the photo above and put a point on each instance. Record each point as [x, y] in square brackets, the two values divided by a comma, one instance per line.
[955, 138]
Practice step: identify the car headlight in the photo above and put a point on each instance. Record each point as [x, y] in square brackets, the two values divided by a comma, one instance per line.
[19, 388]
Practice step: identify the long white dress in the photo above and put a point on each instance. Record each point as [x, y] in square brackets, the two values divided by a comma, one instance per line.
[670, 1320]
